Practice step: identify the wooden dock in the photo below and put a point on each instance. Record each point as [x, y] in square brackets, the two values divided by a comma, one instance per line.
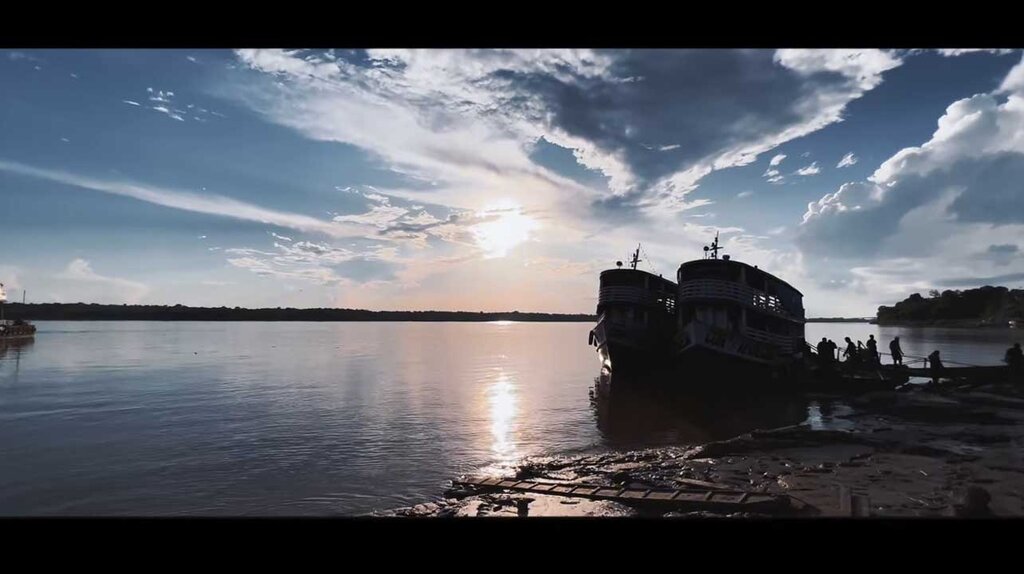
[692, 499]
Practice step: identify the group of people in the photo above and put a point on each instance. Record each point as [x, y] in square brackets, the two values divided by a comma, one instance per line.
[859, 352]
[828, 351]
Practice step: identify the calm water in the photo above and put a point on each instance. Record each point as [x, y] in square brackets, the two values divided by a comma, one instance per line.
[169, 418]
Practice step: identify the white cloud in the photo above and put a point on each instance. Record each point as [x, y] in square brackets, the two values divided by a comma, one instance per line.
[16, 56]
[777, 160]
[131, 102]
[931, 215]
[847, 160]
[950, 52]
[743, 194]
[208, 204]
[864, 66]
[465, 118]
[812, 169]
[89, 286]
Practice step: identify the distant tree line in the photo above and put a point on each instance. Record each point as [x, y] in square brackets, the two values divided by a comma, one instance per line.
[97, 312]
[838, 319]
[983, 306]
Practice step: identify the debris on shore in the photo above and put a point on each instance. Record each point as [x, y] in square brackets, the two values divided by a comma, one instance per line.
[929, 451]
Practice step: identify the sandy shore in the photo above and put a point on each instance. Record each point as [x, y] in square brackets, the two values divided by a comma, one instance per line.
[927, 451]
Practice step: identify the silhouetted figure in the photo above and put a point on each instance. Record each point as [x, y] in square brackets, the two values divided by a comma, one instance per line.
[872, 349]
[833, 350]
[850, 354]
[1015, 360]
[896, 351]
[823, 352]
[936, 366]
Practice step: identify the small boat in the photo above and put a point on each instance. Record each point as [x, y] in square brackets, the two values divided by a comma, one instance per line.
[16, 329]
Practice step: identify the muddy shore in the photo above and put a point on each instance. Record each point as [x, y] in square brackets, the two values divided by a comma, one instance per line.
[927, 451]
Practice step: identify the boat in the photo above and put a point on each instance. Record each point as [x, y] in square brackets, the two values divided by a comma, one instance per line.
[736, 321]
[636, 318]
[16, 329]
[721, 322]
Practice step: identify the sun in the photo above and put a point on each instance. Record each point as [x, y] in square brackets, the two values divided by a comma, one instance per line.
[505, 228]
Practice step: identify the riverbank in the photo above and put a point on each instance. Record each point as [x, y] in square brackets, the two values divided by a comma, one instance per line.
[926, 452]
[98, 312]
[951, 323]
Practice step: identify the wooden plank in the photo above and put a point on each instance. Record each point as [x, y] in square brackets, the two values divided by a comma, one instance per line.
[701, 484]
[704, 498]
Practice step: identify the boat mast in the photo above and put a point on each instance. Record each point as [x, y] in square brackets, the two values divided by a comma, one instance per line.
[712, 252]
[635, 258]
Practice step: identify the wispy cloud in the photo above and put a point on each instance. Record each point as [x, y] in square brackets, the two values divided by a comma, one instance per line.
[847, 160]
[208, 204]
[80, 271]
[812, 169]
[17, 56]
[777, 160]
[951, 52]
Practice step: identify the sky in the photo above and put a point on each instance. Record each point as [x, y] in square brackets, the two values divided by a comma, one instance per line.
[495, 180]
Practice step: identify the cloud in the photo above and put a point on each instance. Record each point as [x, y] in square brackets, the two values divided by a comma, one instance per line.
[951, 52]
[88, 285]
[17, 56]
[777, 160]
[207, 204]
[743, 194]
[847, 160]
[318, 263]
[809, 170]
[1002, 254]
[131, 102]
[950, 207]
[467, 118]
[981, 281]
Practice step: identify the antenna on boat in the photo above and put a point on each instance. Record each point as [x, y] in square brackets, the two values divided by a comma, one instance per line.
[712, 252]
[635, 258]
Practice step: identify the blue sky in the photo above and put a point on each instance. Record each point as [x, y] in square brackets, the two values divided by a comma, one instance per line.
[503, 179]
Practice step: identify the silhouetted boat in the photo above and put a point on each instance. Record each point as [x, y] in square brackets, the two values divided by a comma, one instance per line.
[17, 329]
[636, 316]
[723, 322]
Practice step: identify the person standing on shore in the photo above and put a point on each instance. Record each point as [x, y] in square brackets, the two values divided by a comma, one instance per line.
[823, 352]
[896, 351]
[872, 349]
[936, 365]
[1015, 360]
[850, 354]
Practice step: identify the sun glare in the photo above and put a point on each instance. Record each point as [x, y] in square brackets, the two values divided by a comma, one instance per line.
[506, 228]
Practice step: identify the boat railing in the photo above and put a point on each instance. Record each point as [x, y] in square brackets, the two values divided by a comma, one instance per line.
[664, 300]
[783, 342]
[732, 291]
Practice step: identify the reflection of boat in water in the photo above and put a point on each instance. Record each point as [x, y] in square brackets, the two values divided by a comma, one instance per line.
[647, 415]
[17, 329]
[722, 323]
[14, 346]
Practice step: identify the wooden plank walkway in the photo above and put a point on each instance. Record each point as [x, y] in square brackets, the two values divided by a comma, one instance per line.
[690, 499]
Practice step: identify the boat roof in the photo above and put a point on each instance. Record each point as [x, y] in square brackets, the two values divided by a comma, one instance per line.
[711, 262]
[628, 270]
